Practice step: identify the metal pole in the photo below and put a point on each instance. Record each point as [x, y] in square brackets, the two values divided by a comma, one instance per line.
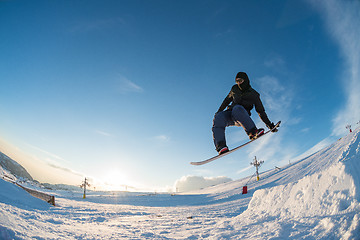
[257, 164]
[85, 188]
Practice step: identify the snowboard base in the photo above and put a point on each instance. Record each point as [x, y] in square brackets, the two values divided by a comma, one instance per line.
[234, 149]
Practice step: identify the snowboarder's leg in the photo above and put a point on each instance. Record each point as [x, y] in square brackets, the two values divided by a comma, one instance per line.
[221, 121]
[241, 118]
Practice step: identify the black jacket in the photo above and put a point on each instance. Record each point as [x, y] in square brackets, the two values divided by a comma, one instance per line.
[248, 98]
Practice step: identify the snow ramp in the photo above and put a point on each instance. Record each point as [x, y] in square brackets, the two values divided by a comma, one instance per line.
[317, 196]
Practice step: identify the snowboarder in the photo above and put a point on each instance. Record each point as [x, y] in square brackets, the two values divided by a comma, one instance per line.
[242, 98]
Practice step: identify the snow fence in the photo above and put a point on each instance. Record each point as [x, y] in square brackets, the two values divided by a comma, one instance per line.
[43, 196]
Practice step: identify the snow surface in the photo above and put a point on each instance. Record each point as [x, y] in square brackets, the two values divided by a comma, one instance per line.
[315, 198]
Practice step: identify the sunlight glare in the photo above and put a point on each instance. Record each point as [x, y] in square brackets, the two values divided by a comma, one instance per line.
[115, 180]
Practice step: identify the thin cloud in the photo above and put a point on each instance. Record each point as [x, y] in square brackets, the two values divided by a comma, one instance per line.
[65, 169]
[305, 130]
[102, 133]
[162, 138]
[342, 20]
[244, 169]
[225, 33]
[126, 86]
[51, 155]
[54, 163]
[277, 98]
[276, 63]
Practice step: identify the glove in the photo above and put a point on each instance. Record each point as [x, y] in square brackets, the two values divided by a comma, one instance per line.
[271, 126]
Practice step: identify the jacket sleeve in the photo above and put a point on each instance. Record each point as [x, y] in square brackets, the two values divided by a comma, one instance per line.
[226, 102]
[261, 111]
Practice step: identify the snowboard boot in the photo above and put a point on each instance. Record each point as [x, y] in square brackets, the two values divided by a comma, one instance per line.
[255, 133]
[223, 150]
[221, 147]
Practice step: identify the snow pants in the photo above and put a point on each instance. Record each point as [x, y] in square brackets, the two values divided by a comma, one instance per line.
[238, 116]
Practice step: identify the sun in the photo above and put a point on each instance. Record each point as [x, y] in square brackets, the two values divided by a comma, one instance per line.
[115, 180]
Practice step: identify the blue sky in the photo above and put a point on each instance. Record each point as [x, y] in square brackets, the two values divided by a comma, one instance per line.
[125, 91]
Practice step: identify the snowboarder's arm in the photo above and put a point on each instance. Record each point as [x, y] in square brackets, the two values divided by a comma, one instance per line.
[225, 103]
[259, 107]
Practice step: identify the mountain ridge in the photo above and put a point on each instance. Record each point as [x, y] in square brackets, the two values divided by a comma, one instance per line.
[14, 167]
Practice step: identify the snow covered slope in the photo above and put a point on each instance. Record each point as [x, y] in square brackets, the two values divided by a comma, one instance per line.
[318, 194]
[12, 166]
[315, 198]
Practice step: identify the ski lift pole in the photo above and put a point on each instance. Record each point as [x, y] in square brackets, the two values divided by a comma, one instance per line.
[84, 196]
[85, 183]
[257, 165]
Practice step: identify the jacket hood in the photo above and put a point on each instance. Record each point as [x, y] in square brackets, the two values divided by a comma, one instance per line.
[246, 84]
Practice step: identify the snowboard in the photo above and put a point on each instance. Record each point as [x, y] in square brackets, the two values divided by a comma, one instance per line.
[234, 149]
